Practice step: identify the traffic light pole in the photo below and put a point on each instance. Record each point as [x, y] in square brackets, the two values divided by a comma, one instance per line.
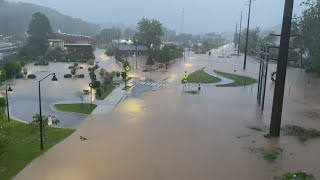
[276, 115]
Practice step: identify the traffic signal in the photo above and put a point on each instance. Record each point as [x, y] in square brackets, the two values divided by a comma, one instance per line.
[123, 75]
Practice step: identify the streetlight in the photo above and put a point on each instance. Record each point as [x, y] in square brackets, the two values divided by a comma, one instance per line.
[8, 89]
[54, 78]
[90, 84]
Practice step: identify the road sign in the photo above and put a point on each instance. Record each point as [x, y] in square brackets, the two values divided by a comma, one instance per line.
[186, 76]
[127, 68]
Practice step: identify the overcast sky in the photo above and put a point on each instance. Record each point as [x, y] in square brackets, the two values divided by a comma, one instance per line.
[200, 15]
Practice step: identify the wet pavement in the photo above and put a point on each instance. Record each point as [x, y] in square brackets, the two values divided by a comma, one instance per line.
[166, 134]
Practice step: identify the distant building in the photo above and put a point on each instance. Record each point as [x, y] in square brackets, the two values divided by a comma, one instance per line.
[55, 43]
[73, 38]
[79, 48]
[130, 49]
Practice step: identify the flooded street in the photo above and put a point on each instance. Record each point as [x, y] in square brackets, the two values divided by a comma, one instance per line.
[170, 135]
[24, 99]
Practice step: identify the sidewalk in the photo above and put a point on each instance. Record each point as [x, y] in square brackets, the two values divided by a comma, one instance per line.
[110, 102]
[223, 81]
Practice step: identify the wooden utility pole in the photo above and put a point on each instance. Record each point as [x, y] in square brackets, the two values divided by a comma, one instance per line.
[275, 124]
[236, 35]
[247, 38]
[239, 35]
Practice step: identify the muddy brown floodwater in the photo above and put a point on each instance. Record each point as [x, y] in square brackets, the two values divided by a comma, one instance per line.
[168, 135]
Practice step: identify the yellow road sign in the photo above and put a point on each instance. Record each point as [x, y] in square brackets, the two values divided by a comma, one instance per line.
[127, 68]
[186, 76]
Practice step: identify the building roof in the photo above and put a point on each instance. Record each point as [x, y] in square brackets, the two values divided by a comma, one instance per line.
[55, 40]
[66, 44]
[130, 47]
[71, 38]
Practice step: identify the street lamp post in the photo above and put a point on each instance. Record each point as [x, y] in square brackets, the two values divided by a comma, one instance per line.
[54, 78]
[7, 99]
[90, 84]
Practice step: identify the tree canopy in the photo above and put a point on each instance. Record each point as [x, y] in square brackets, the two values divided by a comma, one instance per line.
[168, 53]
[39, 31]
[309, 26]
[149, 33]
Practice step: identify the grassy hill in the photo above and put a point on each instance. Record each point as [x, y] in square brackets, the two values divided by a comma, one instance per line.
[15, 18]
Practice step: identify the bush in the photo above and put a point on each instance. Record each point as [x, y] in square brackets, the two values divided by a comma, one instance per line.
[80, 76]
[96, 84]
[119, 58]
[19, 76]
[81, 67]
[67, 76]
[90, 62]
[44, 63]
[118, 74]
[2, 102]
[70, 67]
[98, 92]
[32, 76]
[90, 69]
[102, 72]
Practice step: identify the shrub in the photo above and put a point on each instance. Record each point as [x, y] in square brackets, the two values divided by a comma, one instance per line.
[90, 69]
[118, 74]
[80, 76]
[70, 67]
[98, 92]
[32, 76]
[67, 76]
[19, 76]
[102, 72]
[96, 84]
[96, 66]
[90, 62]
[81, 67]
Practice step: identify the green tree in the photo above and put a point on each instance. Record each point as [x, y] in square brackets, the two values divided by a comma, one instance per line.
[150, 62]
[310, 30]
[205, 46]
[45, 122]
[81, 95]
[129, 33]
[149, 33]
[111, 50]
[164, 56]
[39, 31]
[55, 54]
[11, 66]
[254, 40]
